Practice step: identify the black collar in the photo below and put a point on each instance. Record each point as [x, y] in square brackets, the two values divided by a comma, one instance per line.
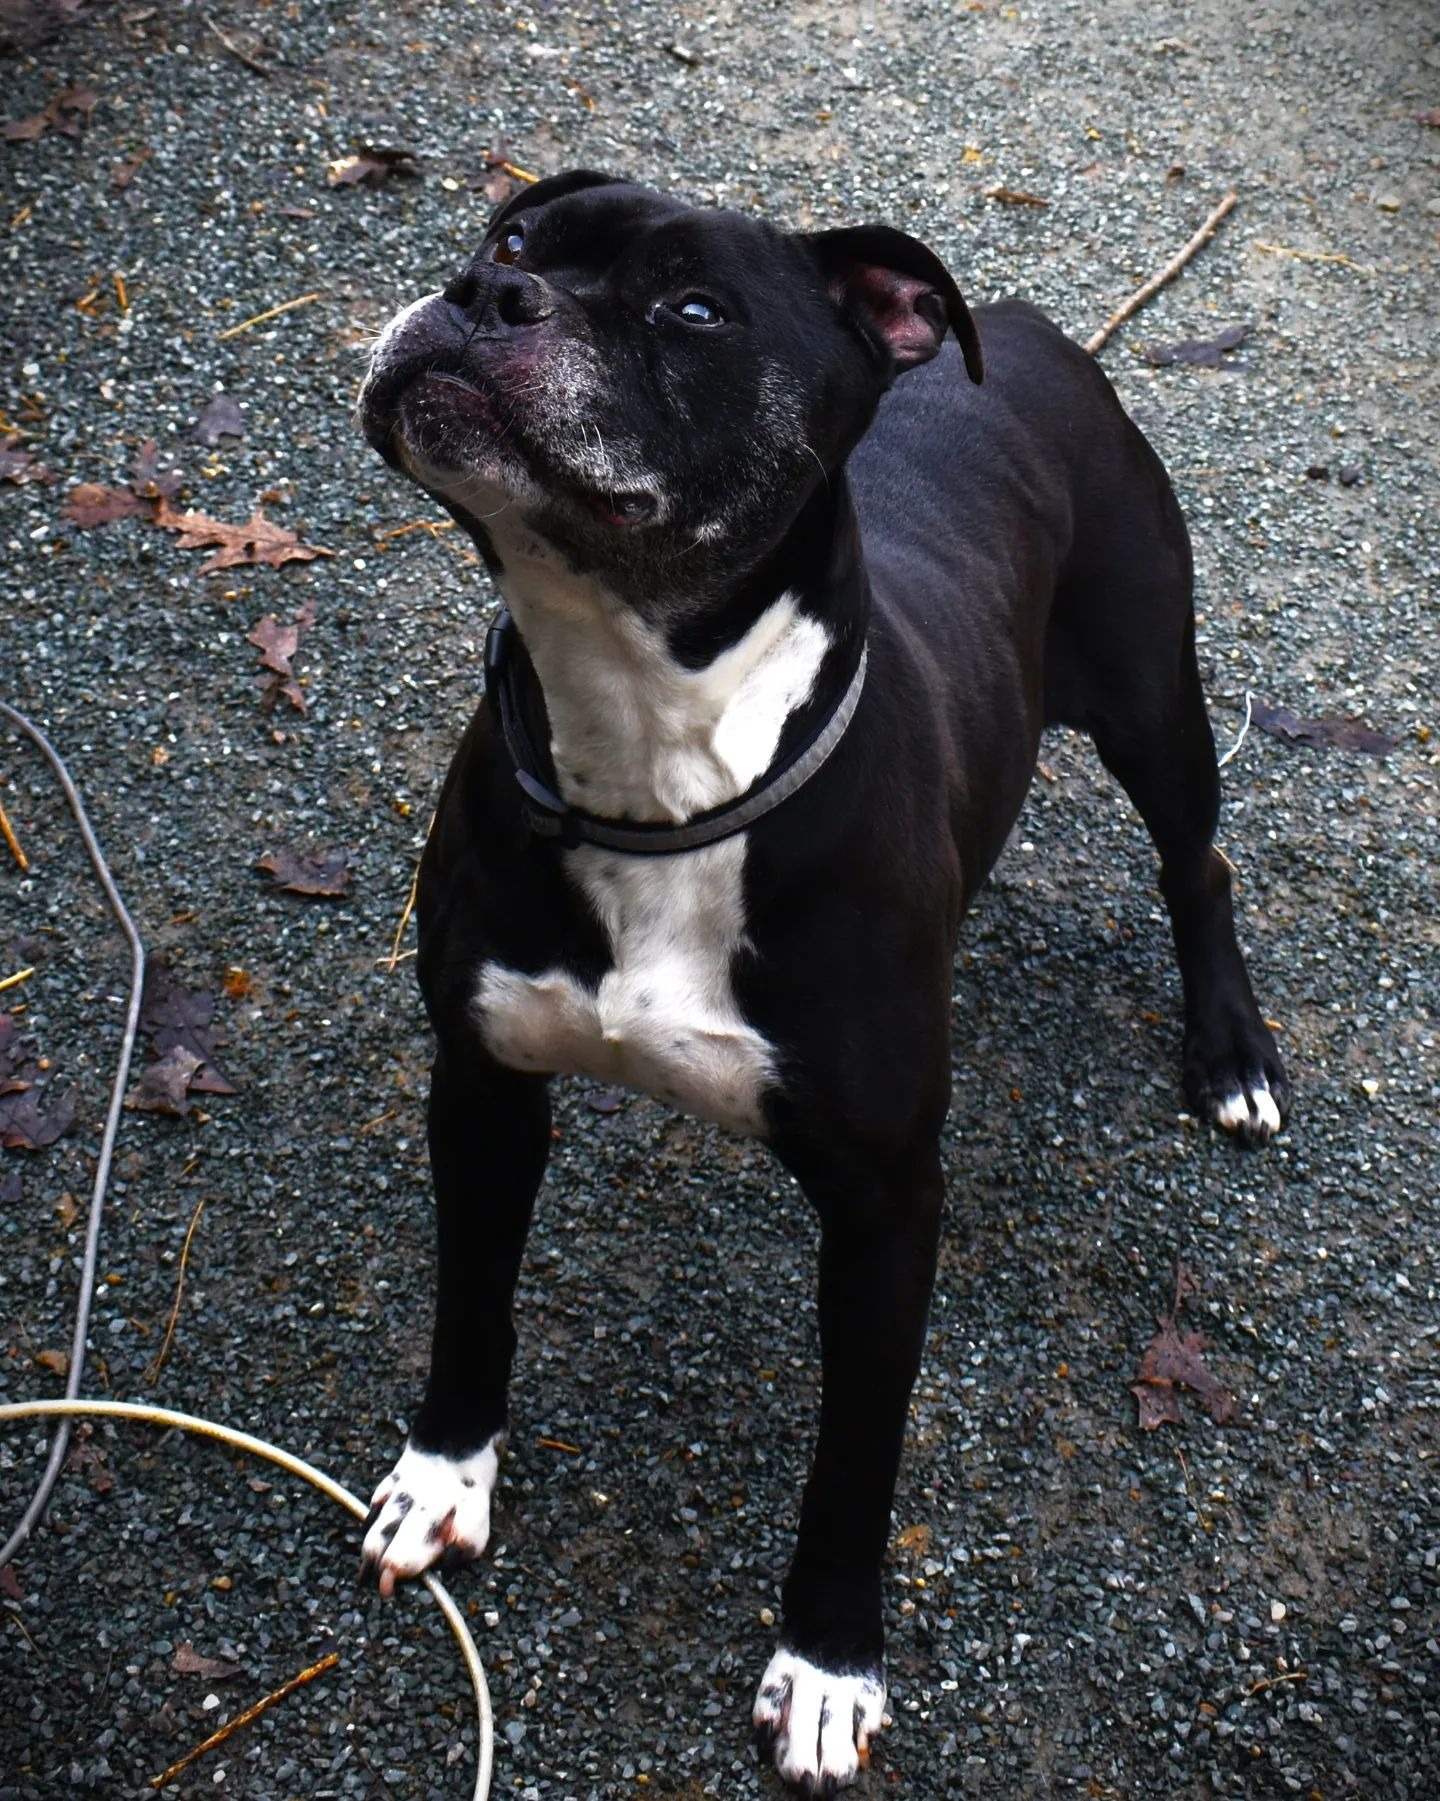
[548, 816]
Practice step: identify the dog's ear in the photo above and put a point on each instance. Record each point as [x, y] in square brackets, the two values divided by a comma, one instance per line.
[898, 292]
[551, 187]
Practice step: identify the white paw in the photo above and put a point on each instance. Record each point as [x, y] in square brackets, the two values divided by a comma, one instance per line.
[1250, 1112]
[430, 1504]
[818, 1722]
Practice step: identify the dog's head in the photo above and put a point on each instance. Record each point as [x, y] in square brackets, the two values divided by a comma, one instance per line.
[636, 379]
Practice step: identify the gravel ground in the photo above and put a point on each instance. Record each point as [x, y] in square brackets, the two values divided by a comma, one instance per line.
[1077, 1608]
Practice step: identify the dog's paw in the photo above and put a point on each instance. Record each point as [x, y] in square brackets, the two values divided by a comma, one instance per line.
[816, 1723]
[1235, 1079]
[429, 1509]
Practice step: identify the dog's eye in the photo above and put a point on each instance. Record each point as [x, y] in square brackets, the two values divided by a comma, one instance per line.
[509, 247]
[696, 310]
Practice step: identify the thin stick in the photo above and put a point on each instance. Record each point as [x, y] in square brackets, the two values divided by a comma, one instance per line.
[20, 975]
[1313, 256]
[164, 1351]
[1275, 1681]
[7, 831]
[519, 174]
[1168, 273]
[273, 312]
[240, 55]
[243, 1719]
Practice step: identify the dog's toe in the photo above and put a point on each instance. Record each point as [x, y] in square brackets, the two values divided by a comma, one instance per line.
[429, 1509]
[816, 1724]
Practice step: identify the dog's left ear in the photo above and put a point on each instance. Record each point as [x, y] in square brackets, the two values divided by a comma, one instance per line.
[898, 292]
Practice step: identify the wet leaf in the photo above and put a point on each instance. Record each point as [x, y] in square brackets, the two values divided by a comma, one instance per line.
[171, 1016]
[1014, 197]
[1173, 1361]
[148, 480]
[88, 1459]
[92, 504]
[19, 466]
[26, 1124]
[187, 1661]
[277, 644]
[371, 166]
[56, 1362]
[259, 540]
[10, 1583]
[1206, 352]
[164, 1087]
[64, 112]
[1325, 733]
[221, 417]
[316, 872]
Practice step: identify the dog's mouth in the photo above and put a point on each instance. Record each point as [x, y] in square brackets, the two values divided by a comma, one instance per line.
[456, 424]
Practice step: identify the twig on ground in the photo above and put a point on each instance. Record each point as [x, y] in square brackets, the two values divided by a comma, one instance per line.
[433, 526]
[7, 831]
[1314, 256]
[517, 173]
[396, 954]
[235, 50]
[164, 1351]
[1275, 1681]
[273, 312]
[244, 1719]
[20, 975]
[1168, 273]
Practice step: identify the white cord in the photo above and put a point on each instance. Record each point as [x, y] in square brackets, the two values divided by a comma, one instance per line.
[72, 1405]
[258, 1447]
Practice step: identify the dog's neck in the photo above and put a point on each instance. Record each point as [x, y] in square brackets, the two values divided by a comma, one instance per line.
[657, 725]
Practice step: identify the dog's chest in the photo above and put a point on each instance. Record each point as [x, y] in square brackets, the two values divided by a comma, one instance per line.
[664, 1018]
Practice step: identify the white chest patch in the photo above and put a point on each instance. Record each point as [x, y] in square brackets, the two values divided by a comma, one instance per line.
[664, 1018]
[636, 735]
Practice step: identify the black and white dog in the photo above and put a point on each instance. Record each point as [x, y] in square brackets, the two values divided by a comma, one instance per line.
[779, 647]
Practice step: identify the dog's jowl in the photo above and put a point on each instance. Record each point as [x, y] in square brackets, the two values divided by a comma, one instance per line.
[799, 557]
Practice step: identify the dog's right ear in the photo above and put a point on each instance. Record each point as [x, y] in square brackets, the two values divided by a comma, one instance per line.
[897, 294]
[551, 187]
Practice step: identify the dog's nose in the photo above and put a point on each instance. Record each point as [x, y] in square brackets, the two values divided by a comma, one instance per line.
[491, 294]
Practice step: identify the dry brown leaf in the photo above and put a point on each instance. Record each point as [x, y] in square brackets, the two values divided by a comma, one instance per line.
[64, 111]
[259, 540]
[93, 504]
[317, 872]
[187, 1661]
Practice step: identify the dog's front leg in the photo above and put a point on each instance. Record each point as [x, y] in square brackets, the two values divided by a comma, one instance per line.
[489, 1132]
[820, 1700]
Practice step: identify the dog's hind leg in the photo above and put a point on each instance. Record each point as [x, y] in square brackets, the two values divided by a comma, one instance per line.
[489, 1134]
[1121, 666]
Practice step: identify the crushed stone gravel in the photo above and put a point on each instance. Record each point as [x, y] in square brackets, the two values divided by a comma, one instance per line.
[1075, 1608]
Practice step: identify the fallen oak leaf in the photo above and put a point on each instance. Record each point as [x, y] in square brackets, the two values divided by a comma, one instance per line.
[1325, 733]
[1202, 352]
[63, 111]
[149, 481]
[1171, 1360]
[19, 466]
[170, 1015]
[221, 417]
[323, 873]
[277, 644]
[26, 1125]
[187, 1661]
[164, 1087]
[259, 540]
[93, 504]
